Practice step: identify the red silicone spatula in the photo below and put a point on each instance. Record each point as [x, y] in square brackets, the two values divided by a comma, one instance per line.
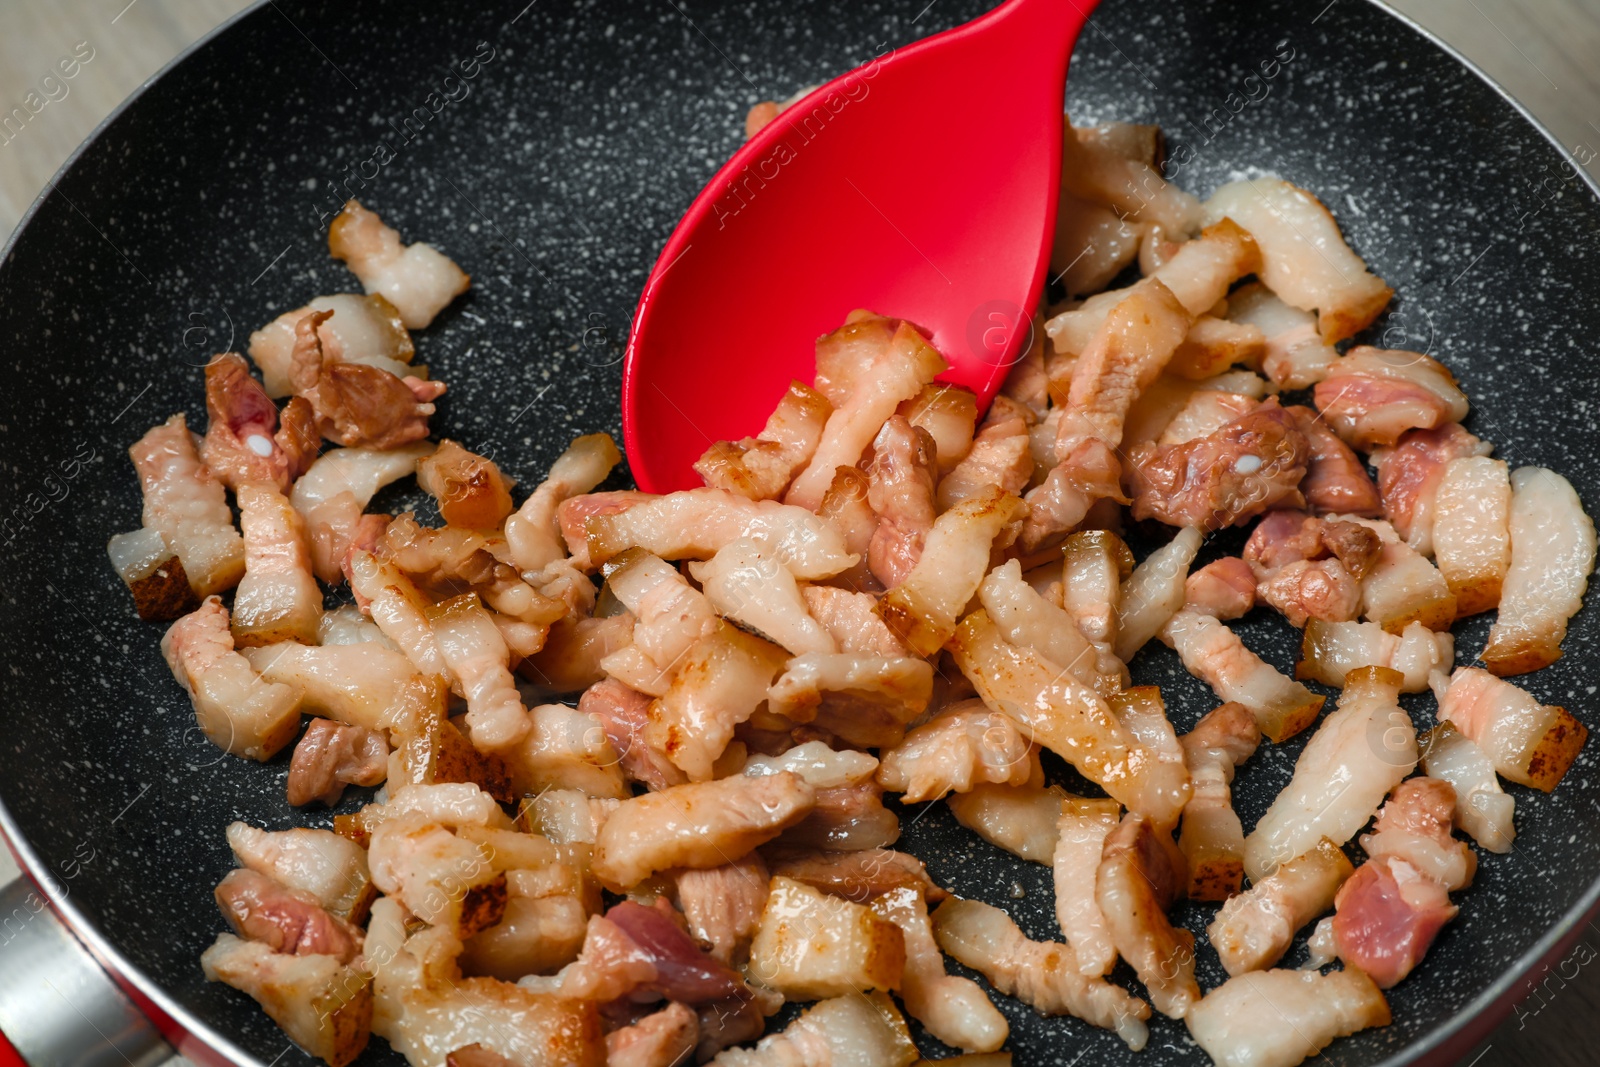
[921, 186]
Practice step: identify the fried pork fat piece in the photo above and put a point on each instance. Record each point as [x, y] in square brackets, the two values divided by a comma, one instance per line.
[235, 708]
[244, 441]
[417, 279]
[355, 403]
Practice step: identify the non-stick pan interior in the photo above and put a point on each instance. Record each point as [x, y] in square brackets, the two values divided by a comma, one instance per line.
[553, 175]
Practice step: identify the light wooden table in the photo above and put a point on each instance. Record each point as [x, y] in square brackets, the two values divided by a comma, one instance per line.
[1545, 52]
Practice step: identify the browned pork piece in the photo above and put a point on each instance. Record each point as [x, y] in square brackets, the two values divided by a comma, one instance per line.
[1217, 656]
[331, 868]
[1021, 819]
[153, 573]
[1212, 345]
[1212, 839]
[1251, 464]
[333, 493]
[363, 329]
[900, 480]
[331, 756]
[949, 415]
[358, 404]
[756, 591]
[704, 824]
[1115, 165]
[695, 523]
[279, 599]
[717, 684]
[235, 708]
[244, 442]
[1357, 755]
[1028, 619]
[1409, 475]
[1331, 650]
[1304, 258]
[624, 714]
[662, 1039]
[811, 945]
[1530, 743]
[1081, 832]
[570, 660]
[323, 1005]
[859, 876]
[1043, 974]
[864, 700]
[1403, 586]
[1140, 876]
[185, 503]
[760, 467]
[1391, 909]
[1483, 810]
[442, 877]
[1472, 531]
[1295, 355]
[533, 533]
[366, 685]
[955, 1010]
[924, 608]
[671, 615]
[417, 279]
[1254, 929]
[1372, 396]
[1225, 589]
[1000, 455]
[722, 905]
[1069, 719]
[844, 1031]
[898, 371]
[470, 490]
[430, 1014]
[852, 619]
[964, 745]
[1307, 1011]
[1311, 568]
[1336, 477]
[1094, 564]
[1552, 555]
[1154, 592]
[290, 921]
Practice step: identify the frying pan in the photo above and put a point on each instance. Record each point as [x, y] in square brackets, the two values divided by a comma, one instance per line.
[198, 212]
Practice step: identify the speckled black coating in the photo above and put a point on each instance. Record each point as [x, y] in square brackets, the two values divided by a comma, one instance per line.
[193, 217]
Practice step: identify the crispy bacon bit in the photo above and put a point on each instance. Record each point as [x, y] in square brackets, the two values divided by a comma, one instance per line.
[1372, 396]
[331, 756]
[1409, 477]
[624, 713]
[1529, 742]
[1336, 478]
[704, 824]
[1250, 465]
[857, 876]
[1254, 929]
[1224, 589]
[235, 708]
[243, 441]
[1213, 838]
[898, 372]
[356, 404]
[1139, 878]
[1043, 974]
[417, 279]
[1304, 258]
[1552, 556]
[1309, 1009]
[153, 573]
[1357, 755]
[187, 505]
[760, 467]
[900, 478]
[470, 489]
[285, 920]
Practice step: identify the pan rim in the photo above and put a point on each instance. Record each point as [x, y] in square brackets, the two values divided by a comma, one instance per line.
[1467, 1026]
